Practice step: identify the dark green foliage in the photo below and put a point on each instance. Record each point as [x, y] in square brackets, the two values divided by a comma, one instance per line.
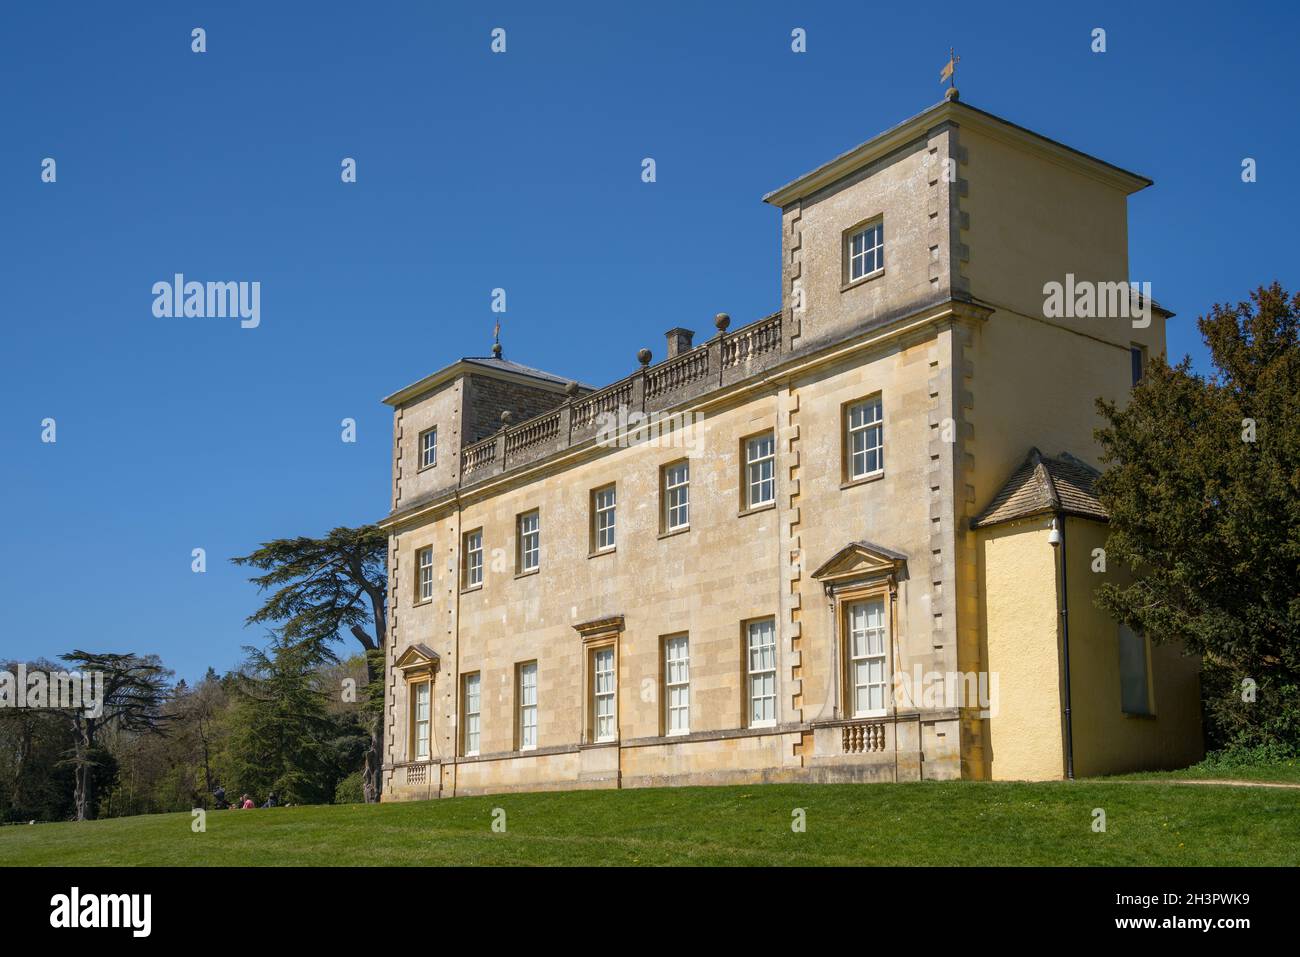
[134, 688]
[320, 586]
[349, 790]
[36, 782]
[281, 735]
[1210, 520]
[281, 724]
[1263, 755]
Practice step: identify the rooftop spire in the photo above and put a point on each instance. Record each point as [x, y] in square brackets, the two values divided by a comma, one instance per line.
[496, 340]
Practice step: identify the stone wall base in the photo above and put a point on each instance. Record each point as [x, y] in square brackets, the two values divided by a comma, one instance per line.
[839, 769]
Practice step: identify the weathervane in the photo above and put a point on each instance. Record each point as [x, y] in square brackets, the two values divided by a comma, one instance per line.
[496, 340]
[949, 71]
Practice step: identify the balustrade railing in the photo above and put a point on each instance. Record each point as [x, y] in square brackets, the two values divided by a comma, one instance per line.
[650, 389]
[864, 738]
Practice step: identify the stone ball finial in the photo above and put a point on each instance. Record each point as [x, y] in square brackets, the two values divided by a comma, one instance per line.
[951, 94]
[571, 389]
[722, 320]
[496, 349]
[644, 356]
[507, 417]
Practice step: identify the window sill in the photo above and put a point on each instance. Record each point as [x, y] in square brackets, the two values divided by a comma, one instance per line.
[1149, 716]
[762, 724]
[865, 479]
[681, 733]
[603, 551]
[675, 531]
[469, 588]
[531, 571]
[422, 601]
[765, 507]
[854, 283]
[425, 468]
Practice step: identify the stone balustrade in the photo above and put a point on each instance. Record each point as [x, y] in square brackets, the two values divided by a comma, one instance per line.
[727, 358]
[864, 738]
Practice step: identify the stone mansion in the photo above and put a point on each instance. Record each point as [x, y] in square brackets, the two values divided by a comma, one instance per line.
[849, 541]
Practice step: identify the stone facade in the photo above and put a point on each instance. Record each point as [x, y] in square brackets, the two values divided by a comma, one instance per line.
[507, 673]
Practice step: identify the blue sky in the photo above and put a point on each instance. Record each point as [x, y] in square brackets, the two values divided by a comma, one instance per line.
[478, 171]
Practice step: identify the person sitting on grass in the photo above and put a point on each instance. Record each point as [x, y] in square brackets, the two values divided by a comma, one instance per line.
[246, 803]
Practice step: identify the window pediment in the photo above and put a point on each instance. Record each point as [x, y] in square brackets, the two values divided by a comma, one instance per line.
[417, 660]
[858, 561]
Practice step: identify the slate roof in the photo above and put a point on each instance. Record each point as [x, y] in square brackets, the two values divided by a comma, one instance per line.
[486, 363]
[1041, 485]
[505, 365]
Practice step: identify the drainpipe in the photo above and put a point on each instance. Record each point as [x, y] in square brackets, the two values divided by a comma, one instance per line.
[1057, 540]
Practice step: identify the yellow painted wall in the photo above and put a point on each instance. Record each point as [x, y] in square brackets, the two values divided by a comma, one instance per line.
[1032, 221]
[1106, 741]
[1036, 379]
[1018, 583]
[1018, 577]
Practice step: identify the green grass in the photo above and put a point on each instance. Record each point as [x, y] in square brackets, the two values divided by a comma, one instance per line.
[1277, 772]
[950, 823]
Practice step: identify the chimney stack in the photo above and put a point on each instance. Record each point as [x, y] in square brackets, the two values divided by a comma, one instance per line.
[679, 341]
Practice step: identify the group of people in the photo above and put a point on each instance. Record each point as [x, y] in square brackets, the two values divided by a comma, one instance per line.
[244, 803]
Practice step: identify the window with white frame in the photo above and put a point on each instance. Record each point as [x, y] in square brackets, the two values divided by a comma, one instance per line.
[866, 438]
[474, 558]
[867, 664]
[528, 706]
[471, 714]
[677, 496]
[529, 542]
[424, 574]
[603, 690]
[760, 471]
[1133, 682]
[866, 251]
[604, 503]
[677, 684]
[761, 665]
[428, 448]
[420, 694]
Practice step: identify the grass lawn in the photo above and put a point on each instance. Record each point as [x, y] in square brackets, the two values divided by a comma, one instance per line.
[929, 823]
[1279, 772]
